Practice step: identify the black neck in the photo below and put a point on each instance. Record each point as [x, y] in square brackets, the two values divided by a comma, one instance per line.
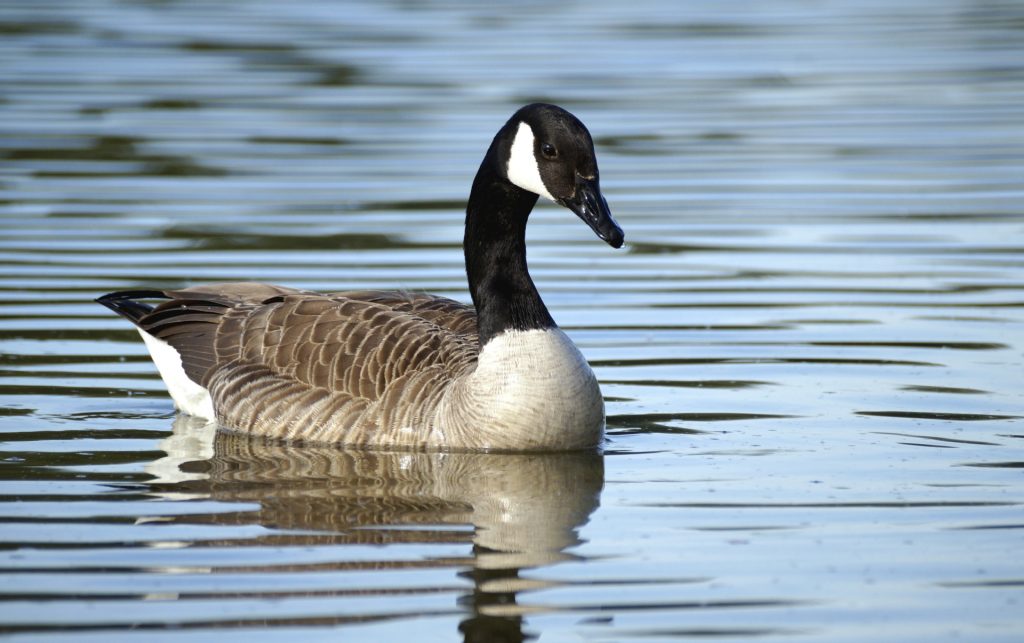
[495, 249]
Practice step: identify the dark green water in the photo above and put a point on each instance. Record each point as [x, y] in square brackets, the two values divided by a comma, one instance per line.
[812, 347]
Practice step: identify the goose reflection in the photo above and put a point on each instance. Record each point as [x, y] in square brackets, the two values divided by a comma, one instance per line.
[524, 510]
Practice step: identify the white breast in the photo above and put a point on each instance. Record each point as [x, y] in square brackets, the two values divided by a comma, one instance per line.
[524, 359]
[531, 389]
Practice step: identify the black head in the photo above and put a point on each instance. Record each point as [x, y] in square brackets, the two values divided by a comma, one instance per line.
[549, 152]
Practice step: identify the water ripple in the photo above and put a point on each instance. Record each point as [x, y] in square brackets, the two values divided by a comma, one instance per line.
[810, 348]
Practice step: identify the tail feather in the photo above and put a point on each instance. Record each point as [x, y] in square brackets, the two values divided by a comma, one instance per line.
[123, 302]
[188, 325]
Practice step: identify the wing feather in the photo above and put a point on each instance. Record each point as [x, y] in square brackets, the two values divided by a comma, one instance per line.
[356, 343]
[297, 364]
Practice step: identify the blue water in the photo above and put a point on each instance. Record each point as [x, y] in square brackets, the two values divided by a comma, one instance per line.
[812, 347]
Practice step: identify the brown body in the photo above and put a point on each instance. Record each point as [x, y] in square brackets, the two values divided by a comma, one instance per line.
[291, 364]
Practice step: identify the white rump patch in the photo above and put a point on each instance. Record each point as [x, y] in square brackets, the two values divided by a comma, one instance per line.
[188, 396]
[522, 163]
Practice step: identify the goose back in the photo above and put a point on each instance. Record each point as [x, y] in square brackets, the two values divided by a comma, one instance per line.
[359, 368]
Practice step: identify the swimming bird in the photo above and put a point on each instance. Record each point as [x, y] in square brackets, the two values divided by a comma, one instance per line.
[400, 369]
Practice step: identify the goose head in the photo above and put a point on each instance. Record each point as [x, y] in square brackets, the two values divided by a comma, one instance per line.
[550, 152]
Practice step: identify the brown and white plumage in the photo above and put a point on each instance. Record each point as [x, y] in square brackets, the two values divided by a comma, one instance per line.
[397, 369]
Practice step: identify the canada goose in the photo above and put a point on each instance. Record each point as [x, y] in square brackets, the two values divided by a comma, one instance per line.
[399, 369]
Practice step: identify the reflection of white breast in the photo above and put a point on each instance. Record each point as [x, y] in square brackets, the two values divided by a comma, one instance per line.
[532, 388]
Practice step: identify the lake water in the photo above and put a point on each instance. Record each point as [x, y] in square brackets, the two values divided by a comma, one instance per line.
[812, 347]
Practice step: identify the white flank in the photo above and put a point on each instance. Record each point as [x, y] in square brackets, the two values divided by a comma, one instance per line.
[522, 163]
[188, 396]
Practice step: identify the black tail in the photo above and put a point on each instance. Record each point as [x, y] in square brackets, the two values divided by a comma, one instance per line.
[185, 319]
[123, 302]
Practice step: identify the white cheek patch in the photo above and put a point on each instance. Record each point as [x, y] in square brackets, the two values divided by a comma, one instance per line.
[522, 164]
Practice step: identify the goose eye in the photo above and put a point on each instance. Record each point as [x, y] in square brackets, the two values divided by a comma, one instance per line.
[548, 150]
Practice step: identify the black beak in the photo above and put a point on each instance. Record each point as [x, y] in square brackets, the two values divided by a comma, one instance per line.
[588, 203]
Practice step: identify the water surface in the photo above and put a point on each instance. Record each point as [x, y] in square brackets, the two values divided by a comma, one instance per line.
[812, 347]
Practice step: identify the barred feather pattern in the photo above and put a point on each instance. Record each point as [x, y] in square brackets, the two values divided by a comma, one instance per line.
[375, 369]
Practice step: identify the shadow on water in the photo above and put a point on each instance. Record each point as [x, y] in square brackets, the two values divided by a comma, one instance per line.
[524, 511]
